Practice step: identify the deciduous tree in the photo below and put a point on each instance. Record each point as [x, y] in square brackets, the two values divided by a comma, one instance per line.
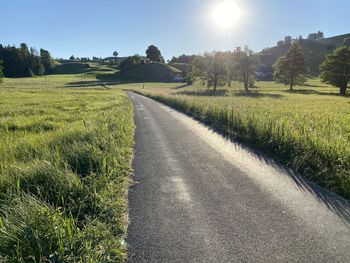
[115, 55]
[154, 54]
[130, 62]
[335, 70]
[244, 64]
[211, 68]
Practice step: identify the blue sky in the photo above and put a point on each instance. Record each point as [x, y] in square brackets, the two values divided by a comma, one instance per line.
[97, 28]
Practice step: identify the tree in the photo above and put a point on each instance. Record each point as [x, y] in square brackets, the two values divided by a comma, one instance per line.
[130, 62]
[115, 55]
[1, 74]
[316, 36]
[154, 54]
[190, 75]
[36, 65]
[182, 59]
[20, 62]
[244, 63]
[288, 40]
[211, 68]
[72, 57]
[320, 35]
[46, 60]
[335, 70]
[291, 69]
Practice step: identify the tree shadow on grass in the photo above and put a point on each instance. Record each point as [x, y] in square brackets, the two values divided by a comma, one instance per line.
[313, 92]
[102, 80]
[256, 94]
[181, 86]
[204, 93]
[89, 83]
[314, 85]
[226, 93]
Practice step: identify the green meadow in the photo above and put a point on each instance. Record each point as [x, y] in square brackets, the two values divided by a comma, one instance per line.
[67, 144]
[65, 158]
[307, 129]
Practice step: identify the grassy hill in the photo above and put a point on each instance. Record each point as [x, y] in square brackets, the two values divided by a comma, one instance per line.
[314, 50]
[184, 67]
[150, 72]
[79, 68]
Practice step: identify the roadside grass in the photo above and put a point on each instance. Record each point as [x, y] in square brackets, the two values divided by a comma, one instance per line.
[65, 158]
[307, 129]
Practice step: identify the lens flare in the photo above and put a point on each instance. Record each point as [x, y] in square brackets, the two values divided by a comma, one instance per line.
[226, 14]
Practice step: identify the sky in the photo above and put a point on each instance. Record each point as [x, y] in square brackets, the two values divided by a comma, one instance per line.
[86, 28]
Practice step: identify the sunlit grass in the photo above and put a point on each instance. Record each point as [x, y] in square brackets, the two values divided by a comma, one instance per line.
[308, 129]
[65, 158]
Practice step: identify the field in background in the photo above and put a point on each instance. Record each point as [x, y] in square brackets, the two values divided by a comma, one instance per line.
[65, 158]
[307, 129]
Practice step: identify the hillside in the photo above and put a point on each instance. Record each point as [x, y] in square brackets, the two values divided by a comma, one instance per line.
[184, 67]
[314, 50]
[79, 67]
[150, 72]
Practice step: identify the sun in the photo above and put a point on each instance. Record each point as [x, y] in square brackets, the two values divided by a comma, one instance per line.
[226, 14]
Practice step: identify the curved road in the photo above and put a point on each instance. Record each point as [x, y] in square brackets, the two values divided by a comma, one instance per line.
[200, 198]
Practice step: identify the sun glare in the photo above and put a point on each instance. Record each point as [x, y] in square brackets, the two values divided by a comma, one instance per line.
[226, 14]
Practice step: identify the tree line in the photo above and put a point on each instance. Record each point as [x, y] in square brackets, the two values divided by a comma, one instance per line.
[24, 62]
[288, 40]
[213, 68]
[220, 68]
[153, 54]
[1, 74]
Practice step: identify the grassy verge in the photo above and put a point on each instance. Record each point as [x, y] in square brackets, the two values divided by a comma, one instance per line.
[65, 158]
[307, 129]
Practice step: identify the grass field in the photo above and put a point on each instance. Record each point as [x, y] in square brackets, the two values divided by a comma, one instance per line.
[67, 141]
[308, 129]
[65, 158]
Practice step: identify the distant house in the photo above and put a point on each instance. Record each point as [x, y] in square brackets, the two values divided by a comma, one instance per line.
[264, 73]
[177, 76]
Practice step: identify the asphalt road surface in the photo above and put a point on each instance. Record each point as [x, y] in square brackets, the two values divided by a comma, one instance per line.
[200, 198]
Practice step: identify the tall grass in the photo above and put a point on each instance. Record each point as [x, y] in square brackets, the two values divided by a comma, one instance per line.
[308, 130]
[65, 158]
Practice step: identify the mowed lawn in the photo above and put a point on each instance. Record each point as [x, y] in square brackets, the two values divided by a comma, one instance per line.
[65, 158]
[307, 129]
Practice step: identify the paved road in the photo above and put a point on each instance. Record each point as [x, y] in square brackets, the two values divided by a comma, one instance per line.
[200, 198]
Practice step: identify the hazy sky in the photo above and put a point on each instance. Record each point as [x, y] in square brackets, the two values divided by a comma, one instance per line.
[98, 27]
